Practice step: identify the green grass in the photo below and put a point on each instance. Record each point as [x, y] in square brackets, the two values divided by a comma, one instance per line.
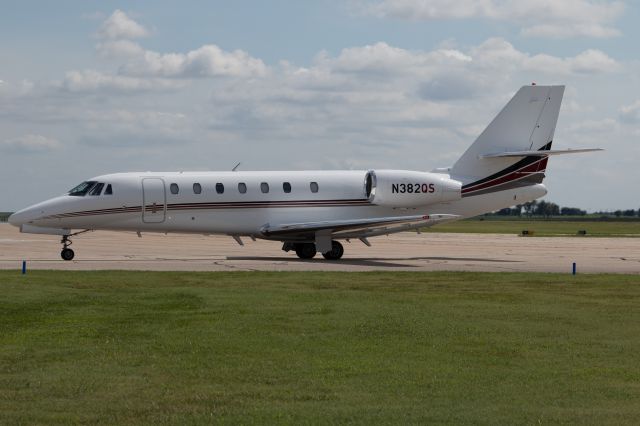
[299, 348]
[544, 227]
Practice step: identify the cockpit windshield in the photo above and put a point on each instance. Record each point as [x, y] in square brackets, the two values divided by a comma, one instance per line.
[97, 189]
[82, 189]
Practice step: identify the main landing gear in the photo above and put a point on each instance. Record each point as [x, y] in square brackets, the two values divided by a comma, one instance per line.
[66, 253]
[308, 250]
[336, 251]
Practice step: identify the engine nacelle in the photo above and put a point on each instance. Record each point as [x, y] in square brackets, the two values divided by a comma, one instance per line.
[402, 188]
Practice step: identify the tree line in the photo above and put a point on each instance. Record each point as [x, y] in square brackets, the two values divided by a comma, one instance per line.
[547, 209]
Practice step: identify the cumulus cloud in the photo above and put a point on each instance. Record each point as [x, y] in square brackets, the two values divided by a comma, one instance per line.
[497, 51]
[594, 61]
[630, 114]
[206, 61]
[442, 73]
[209, 60]
[383, 58]
[30, 143]
[96, 81]
[541, 18]
[119, 25]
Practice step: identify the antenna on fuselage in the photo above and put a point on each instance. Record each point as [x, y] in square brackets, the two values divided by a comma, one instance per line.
[236, 166]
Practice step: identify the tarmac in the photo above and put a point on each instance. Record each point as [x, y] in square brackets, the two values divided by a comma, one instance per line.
[104, 250]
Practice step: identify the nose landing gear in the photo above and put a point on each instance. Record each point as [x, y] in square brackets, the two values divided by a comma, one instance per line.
[66, 253]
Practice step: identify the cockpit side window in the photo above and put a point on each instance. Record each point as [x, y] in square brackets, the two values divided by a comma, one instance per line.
[108, 191]
[97, 189]
[82, 189]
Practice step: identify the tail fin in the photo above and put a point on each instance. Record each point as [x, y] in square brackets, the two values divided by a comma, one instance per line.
[526, 123]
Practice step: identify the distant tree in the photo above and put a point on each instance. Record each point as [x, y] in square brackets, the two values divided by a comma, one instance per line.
[618, 213]
[629, 213]
[572, 211]
[529, 207]
[547, 209]
[517, 210]
[540, 208]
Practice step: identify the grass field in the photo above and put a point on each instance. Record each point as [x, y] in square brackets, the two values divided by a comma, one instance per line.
[542, 227]
[299, 348]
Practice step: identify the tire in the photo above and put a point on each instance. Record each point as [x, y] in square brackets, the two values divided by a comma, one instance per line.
[67, 254]
[336, 251]
[306, 250]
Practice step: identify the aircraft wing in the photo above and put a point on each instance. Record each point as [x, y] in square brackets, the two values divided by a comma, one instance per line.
[356, 228]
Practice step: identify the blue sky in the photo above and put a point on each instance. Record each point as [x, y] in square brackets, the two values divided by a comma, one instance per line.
[97, 87]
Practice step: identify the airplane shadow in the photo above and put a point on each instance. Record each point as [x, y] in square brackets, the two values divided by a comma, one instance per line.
[387, 262]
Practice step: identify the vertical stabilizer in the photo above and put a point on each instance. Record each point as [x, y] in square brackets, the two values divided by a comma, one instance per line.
[526, 123]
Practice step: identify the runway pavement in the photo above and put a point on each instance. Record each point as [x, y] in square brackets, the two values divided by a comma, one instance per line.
[404, 251]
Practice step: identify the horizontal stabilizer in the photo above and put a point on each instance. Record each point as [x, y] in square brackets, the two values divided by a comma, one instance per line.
[541, 153]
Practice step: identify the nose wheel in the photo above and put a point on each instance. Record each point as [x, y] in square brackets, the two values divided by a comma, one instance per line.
[66, 253]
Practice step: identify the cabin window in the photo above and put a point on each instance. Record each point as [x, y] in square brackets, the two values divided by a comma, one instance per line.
[174, 188]
[97, 189]
[108, 191]
[219, 188]
[313, 186]
[82, 189]
[286, 187]
[242, 187]
[197, 188]
[264, 187]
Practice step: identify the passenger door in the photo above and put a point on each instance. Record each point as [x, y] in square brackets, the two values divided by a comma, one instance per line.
[154, 205]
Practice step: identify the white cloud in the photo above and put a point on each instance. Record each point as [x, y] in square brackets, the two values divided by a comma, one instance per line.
[96, 81]
[541, 18]
[206, 61]
[30, 143]
[13, 89]
[120, 49]
[119, 25]
[605, 125]
[594, 61]
[497, 51]
[381, 57]
[630, 113]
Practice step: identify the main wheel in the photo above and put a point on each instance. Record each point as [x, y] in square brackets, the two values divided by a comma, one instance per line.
[306, 250]
[67, 254]
[336, 251]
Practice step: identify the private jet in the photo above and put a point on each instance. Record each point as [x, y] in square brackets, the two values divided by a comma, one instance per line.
[312, 211]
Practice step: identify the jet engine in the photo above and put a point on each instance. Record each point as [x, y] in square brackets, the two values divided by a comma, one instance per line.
[407, 189]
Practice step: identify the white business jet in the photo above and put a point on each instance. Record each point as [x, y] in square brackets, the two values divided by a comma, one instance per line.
[310, 211]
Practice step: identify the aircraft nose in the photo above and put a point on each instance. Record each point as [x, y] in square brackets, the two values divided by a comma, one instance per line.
[20, 217]
[15, 219]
